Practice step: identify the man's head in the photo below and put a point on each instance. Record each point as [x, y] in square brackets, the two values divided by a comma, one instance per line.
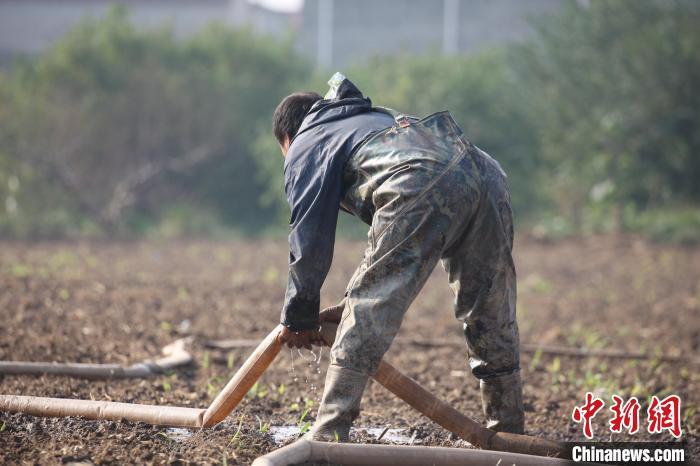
[289, 114]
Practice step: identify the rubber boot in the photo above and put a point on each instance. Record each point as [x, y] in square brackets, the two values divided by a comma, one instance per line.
[340, 404]
[502, 401]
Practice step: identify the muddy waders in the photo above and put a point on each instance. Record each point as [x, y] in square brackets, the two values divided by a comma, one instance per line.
[429, 195]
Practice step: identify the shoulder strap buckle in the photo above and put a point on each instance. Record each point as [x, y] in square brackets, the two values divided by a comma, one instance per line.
[403, 121]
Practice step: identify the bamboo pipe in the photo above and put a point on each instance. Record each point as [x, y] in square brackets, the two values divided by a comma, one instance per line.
[223, 404]
[311, 451]
[85, 371]
[243, 379]
[102, 410]
[445, 415]
[175, 355]
[298, 452]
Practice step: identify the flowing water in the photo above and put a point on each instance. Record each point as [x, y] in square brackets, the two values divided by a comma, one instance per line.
[313, 363]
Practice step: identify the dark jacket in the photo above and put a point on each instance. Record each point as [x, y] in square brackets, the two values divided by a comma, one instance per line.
[313, 175]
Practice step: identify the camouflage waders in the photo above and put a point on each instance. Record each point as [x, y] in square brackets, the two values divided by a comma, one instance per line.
[429, 194]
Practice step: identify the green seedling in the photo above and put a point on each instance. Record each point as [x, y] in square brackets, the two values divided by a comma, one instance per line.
[639, 389]
[229, 360]
[167, 387]
[182, 293]
[540, 285]
[3, 425]
[253, 391]
[535, 363]
[659, 367]
[263, 427]
[257, 391]
[271, 275]
[554, 368]
[205, 360]
[595, 339]
[304, 426]
[234, 439]
[21, 271]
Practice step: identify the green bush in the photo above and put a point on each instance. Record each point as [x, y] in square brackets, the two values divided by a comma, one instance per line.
[614, 101]
[679, 225]
[128, 131]
[116, 123]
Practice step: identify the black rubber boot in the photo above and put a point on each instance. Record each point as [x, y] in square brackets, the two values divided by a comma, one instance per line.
[502, 401]
[340, 404]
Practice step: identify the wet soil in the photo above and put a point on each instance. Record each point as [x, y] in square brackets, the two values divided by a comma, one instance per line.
[120, 302]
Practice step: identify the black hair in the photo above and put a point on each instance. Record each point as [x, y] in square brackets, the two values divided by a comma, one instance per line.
[290, 113]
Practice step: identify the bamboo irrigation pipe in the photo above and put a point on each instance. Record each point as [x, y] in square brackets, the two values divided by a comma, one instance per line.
[466, 428]
[175, 354]
[243, 379]
[445, 415]
[102, 410]
[222, 405]
[357, 454]
[401, 385]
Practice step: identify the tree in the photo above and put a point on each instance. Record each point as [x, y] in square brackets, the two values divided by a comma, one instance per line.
[124, 121]
[616, 102]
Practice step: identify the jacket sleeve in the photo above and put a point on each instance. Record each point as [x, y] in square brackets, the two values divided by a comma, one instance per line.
[314, 193]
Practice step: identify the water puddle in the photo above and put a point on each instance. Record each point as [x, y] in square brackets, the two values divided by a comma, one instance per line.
[395, 436]
[178, 434]
[282, 434]
[285, 434]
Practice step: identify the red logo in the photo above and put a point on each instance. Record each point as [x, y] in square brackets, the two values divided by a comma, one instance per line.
[587, 412]
[665, 415]
[661, 415]
[625, 415]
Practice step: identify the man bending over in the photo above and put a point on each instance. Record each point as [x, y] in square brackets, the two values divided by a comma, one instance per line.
[428, 194]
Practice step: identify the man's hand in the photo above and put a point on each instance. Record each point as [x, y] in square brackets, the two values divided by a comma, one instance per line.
[300, 339]
[332, 314]
[305, 338]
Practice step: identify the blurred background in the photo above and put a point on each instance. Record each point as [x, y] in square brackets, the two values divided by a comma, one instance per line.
[152, 117]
